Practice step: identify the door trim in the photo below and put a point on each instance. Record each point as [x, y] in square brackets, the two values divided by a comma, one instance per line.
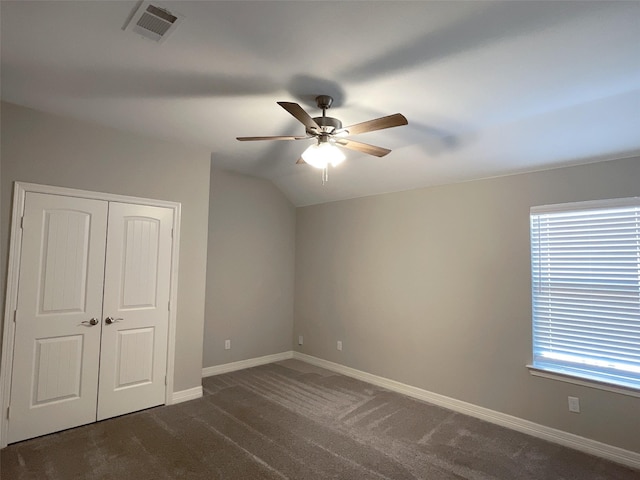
[13, 270]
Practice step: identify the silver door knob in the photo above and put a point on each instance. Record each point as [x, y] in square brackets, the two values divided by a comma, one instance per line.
[93, 321]
[110, 320]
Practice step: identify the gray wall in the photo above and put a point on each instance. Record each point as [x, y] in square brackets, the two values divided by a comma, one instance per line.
[431, 288]
[250, 270]
[41, 148]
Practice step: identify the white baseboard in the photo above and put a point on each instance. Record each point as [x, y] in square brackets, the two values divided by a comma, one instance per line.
[186, 395]
[242, 364]
[603, 450]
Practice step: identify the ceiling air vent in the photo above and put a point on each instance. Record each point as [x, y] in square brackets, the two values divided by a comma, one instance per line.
[153, 22]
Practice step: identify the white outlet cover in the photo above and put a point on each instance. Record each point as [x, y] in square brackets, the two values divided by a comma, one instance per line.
[574, 404]
[300, 340]
[340, 345]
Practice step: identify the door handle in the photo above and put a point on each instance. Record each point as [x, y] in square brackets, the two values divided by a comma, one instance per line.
[110, 320]
[92, 322]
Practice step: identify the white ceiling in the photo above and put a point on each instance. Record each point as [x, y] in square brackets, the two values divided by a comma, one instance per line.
[489, 88]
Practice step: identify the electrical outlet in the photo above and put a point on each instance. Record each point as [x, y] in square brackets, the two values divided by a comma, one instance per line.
[574, 404]
[227, 344]
[300, 340]
[339, 346]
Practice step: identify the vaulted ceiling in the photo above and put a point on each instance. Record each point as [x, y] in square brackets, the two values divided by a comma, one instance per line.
[488, 88]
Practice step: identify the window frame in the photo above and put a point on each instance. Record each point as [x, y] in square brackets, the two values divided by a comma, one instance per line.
[557, 372]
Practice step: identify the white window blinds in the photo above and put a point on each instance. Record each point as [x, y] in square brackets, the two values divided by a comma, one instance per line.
[585, 266]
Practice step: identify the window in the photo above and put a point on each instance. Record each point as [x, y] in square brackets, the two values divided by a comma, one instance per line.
[585, 269]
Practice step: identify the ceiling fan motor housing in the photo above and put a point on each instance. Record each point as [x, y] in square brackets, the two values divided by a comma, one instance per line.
[326, 124]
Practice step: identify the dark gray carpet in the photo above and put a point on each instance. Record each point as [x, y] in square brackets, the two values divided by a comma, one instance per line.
[293, 421]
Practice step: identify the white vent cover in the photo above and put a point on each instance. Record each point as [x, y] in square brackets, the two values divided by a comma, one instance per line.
[153, 22]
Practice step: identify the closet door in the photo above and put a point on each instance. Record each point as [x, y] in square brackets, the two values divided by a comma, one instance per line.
[136, 309]
[59, 308]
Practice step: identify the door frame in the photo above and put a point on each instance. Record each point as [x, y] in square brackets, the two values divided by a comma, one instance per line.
[13, 271]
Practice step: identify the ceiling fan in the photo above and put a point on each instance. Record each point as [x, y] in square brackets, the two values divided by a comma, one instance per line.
[330, 133]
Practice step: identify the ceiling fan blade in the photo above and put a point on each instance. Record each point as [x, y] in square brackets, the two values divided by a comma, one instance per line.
[284, 137]
[363, 147]
[395, 120]
[300, 161]
[298, 112]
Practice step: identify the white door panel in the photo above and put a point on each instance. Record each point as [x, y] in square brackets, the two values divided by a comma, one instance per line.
[136, 297]
[56, 359]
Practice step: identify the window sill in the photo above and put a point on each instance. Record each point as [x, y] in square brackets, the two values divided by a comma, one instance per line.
[583, 382]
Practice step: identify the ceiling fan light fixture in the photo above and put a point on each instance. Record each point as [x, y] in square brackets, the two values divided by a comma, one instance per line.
[320, 155]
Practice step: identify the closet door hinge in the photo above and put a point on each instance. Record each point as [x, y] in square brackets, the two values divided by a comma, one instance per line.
[8, 411]
[165, 380]
[21, 222]
[169, 305]
[15, 315]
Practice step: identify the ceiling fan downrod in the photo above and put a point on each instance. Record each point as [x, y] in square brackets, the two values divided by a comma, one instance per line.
[327, 125]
